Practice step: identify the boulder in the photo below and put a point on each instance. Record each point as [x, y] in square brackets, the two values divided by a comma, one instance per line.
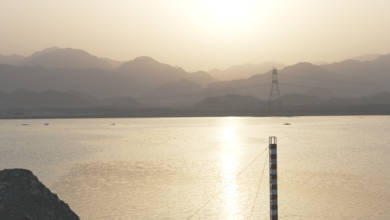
[24, 197]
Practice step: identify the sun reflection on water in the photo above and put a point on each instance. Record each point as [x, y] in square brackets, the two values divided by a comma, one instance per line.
[230, 144]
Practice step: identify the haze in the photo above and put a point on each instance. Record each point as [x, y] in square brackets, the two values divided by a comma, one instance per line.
[200, 34]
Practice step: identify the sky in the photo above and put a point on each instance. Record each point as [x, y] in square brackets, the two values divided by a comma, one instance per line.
[200, 34]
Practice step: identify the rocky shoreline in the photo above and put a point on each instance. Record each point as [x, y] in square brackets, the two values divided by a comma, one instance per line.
[24, 197]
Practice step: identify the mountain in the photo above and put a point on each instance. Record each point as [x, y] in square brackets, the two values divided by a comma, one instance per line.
[259, 85]
[49, 98]
[148, 70]
[11, 59]
[178, 93]
[229, 102]
[120, 102]
[176, 88]
[362, 77]
[302, 100]
[67, 58]
[71, 69]
[200, 77]
[243, 71]
[99, 83]
[158, 84]
[350, 78]
[366, 57]
[162, 80]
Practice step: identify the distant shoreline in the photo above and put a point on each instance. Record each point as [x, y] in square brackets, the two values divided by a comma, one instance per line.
[185, 114]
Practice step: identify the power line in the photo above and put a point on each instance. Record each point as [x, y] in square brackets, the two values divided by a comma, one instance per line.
[258, 190]
[225, 185]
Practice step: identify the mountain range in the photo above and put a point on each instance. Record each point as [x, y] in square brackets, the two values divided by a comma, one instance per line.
[243, 71]
[56, 71]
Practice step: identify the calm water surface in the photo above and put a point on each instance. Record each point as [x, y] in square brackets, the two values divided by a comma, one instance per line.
[197, 168]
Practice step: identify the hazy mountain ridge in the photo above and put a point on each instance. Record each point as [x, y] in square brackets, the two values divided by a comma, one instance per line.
[40, 105]
[152, 73]
[233, 102]
[66, 58]
[50, 98]
[70, 69]
[347, 78]
[243, 71]
[366, 57]
[159, 84]
[230, 102]
[56, 99]
[11, 59]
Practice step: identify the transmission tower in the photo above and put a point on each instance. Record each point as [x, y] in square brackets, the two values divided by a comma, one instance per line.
[274, 101]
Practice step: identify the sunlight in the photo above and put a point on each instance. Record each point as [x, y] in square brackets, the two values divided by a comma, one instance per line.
[228, 12]
[225, 17]
[229, 135]
[230, 193]
[229, 167]
[228, 16]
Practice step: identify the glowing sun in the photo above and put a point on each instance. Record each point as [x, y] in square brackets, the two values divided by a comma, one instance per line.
[228, 15]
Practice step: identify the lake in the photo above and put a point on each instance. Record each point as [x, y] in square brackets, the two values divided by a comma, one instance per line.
[207, 168]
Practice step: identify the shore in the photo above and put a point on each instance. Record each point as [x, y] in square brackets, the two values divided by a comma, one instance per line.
[155, 113]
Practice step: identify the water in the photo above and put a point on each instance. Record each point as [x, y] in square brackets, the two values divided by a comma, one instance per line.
[187, 168]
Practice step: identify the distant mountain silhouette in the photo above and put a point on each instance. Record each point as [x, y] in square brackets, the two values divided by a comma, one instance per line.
[243, 71]
[178, 93]
[67, 58]
[295, 104]
[71, 69]
[157, 84]
[302, 100]
[349, 78]
[147, 71]
[11, 59]
[230, 102]
[100, 83]
[50, 98]
[201, 77]
[176, 88]
[61, 100]
[366, 57]
[120, 102]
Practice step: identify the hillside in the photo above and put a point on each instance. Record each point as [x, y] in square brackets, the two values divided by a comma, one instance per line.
[71, 69]
[159, 84]
[243, 71]
[66, 58]
[344, 79]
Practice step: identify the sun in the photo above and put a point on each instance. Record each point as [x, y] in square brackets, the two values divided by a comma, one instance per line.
[227, 11]
[225, 16]
[226, 19]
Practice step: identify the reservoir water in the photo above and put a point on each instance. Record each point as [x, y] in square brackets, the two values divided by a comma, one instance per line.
[200, 168]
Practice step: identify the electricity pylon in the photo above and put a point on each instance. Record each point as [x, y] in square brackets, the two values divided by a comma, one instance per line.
[274, 101]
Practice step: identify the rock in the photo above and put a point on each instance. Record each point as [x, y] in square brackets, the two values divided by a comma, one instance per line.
[24, 197]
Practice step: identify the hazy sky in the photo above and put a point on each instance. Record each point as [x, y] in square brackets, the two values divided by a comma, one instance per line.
[199, 34]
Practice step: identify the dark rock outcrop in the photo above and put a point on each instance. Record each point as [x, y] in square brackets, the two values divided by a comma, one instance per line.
[24, 197]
